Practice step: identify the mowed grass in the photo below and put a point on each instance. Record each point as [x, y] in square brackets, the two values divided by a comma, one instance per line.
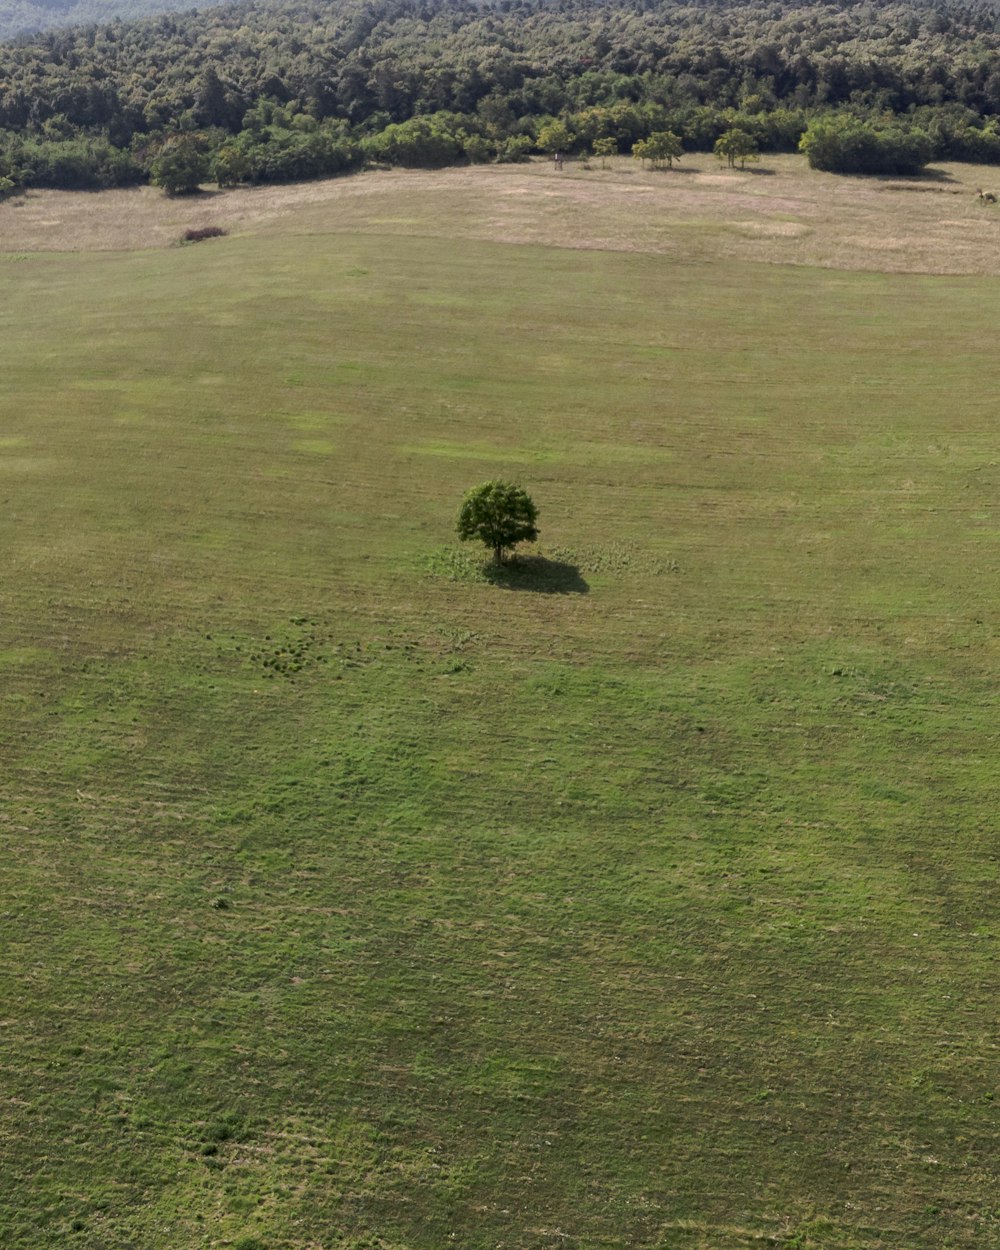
[780, 212]
[645, 899]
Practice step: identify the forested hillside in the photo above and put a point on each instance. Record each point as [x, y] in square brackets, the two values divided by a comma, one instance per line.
[19, 17]
[301, 88]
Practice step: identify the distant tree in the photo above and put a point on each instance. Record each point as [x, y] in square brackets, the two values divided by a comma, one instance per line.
[479, 149]
[662, 147]
[605, 148]
[500, 515]
[230, 166]
[515, 150]
[181, 165]
[555, 137]
[425, 142]
[737, 145]
[213, 106]
[845, 145]
[7, 187]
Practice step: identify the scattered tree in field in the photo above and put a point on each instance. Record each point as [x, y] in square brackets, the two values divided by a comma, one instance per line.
[737, 145]
[181, 166]
[555, 137]
[661, 149]
[500, 515]
[664, 148]
[605, 148]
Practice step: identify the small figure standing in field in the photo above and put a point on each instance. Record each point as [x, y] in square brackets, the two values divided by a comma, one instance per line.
[557, 159]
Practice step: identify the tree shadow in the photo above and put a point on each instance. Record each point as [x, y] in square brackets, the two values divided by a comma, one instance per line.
[930, 174]
[925, 176]
[537, 573]
[194, 195]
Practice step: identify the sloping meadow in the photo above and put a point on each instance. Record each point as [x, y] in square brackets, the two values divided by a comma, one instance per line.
[355, 895]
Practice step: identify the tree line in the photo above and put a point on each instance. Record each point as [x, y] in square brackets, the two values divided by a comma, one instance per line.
[287, 89]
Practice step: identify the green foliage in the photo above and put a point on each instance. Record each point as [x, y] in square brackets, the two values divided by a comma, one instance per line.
[498, 514]
[419, 142]
[514, 150]
[956, 133]
[230, 165]
[479, 149]
[181, 165]
[478, 83]
[737, 147]
[78, 164]
[604, 148]
[555, 137]
[624, 121]
[662, 148]
[665, 147]
[284, 151]
[845, 145]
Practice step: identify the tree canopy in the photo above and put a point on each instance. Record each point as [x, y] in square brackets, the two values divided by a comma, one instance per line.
[181, 166]
[737, 146]
[498, 514]
[845, 145]
[308, 88]
[662, 147]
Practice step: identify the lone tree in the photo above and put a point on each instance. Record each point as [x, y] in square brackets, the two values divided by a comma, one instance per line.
[500, 515]
[737, 145]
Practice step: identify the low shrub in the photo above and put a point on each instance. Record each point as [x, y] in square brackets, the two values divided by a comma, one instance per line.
[845, 145]
[195, 235]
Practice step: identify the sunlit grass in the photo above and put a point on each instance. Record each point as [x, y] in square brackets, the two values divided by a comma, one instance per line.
[354, 896]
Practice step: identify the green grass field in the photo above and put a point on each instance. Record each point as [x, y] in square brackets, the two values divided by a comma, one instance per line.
[352, 902]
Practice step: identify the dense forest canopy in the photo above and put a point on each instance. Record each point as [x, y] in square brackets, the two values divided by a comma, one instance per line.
[293, 88]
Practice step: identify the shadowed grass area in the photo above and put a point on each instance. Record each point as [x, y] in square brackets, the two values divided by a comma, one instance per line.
[536, 573]
[351, 900]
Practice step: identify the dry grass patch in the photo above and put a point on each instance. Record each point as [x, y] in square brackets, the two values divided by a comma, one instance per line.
[784, 213]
